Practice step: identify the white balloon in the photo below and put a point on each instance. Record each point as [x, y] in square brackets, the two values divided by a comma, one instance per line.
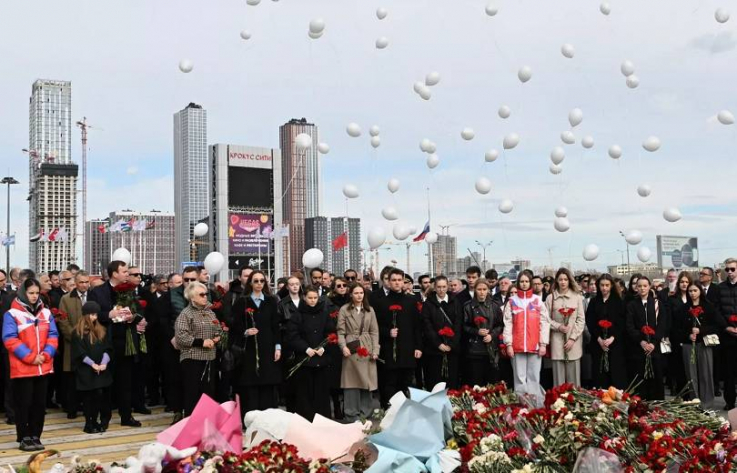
[557, 155]
[354, 130]
[350, 191]
[555, 169]
[605, 8]
[412, 229]
[214, 262]
[483, 185]
[644, 190]
[561, 212]
[633, 237]
[505, 111]
[506, 206]
[633, 81]
[575, 117]
[431, 238]
[312, 258]
[491, 9]
[644, 254]
[652, 144]
[672, 214]
[323, 148]
[568, 50]
[491, 155]
[200, 229]
[432, 148]
[375, 141]
[615, 152]
[393, 185]
[314, 35]
[253, 2]
[186, 66]
[425, 145]
[317, 26]
[432, 161]
[432, 79]
[587, 142]
[467, 134]
[721, 15]
[400, 231]
[511, 141]
[425, 92]
[627, 68]
[568, 137]
[245, 34]
[590, 252]
[417, 86]
[374, 130]
[303, 141]
[389, 213]
[376, 237]
[381, 13]
[725, 117]
[382, 42]
[561, 224]
[122, 254]
[524, 74]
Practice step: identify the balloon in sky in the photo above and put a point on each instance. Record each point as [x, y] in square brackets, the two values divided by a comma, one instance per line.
[323, 148]
[633, 81]
[505, 111]
[374, 130]
[253, 2]
[590, 252]
[354, 130]
[627, 68]
[568, 137]
[506, 206]
[425, 93]
[511, 141]
[633, 237]
[467, 134]
[432, 161]
[200, 229]
[721, 15]
[312, 258]
[651, 144]
[567, 50]
[317, 26]
[431, 238]
[492, 9]
[725, 117]
[644, 190]
[122, 254]
[350, 191]
[561, 212]
[314, 35]
[524, 74]
[393, 185]
[186, 66]
[587, 142]
[417, 86]
[376, 237]
[432, 147]
[575, 117]
[615, 152]
[381, 13]
[375, 141]
[412, 229]
[483, 185]
[303, 141]
[561, 224]
[605, 8]
[644, 254]
[389, 213]
[672, 214]
[432, 79]
[557, 155]
[382, 42]
[400, 231]
[214, 262]
[491, 155]
[425, 145]
[245, 34]
[555, 169]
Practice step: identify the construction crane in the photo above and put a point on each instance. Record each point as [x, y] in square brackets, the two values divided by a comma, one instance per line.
[82, 124]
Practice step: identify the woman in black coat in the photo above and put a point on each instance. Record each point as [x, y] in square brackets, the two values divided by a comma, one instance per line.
[256, 323]
[607, 307]
[482, 357]
[287, 307]
[337, 298]
[441, 312]
[307, 330]
[678, 311]
[647, 310]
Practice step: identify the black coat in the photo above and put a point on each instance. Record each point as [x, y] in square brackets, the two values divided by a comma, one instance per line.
[268, 321]
[86, 378]
[678, 314]
[308, 328]
[728, 307]
[492, 312]
[436, 316]
[106, 296]
[714, 295]
[636, 319]
[709, 322]
[409, 323]
[612, 310]
[463, 297]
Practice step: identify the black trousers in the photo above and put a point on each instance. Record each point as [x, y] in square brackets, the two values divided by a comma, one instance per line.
[198, 378]
[140, 376]
[651, 389]
[122, 367]
[433, 371]
[96, 405]
[481, 371]
[173, 379]
[617, 374]
[71, 399]
[29, 399]
[253, 398]
[313, 392]
[393, 380]
[7, 385]
[152, 364]
[729, 355]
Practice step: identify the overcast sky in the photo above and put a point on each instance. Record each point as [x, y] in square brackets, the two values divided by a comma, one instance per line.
[122, 58]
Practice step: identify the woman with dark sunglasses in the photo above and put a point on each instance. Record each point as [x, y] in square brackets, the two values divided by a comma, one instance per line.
[337, 297]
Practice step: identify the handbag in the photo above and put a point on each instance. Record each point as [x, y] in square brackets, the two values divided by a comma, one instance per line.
[354, 345]
[665, 347]
[711, 340]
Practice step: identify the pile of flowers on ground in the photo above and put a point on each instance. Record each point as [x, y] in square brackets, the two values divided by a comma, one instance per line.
[496, 432]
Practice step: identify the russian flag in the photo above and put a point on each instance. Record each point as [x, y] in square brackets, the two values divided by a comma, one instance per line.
[422, 234]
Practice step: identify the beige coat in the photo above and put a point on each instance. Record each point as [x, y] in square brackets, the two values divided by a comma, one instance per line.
[72, 305]
[357, 372]
[576, 322]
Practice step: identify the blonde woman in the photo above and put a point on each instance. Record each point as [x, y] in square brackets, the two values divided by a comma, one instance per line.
[567, 324]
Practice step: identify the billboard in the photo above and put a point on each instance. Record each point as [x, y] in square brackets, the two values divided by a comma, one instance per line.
[250, 157]
[678, 252]
[248, 233]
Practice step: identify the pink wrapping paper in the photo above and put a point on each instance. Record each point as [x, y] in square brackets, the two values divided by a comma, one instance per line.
[322, 438]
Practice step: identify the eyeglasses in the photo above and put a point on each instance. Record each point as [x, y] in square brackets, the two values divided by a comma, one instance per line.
[338, 286]
[258, 281]
[704, 274]
[730, 270]
[133, 275]
[189, 279]
[350, 278]
[201, 294]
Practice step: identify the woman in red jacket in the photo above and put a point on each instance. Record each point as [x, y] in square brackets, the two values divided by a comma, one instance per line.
[30, 336]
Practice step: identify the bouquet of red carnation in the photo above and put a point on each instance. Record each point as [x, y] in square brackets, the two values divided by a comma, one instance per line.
[395, 308]
[695, 312]
[566, 312]
[605, 325]
[733, 319]
[648, 331]
[331, 339]
[217, 305]
[419, 306]
[502, 346]
[362, 352]
[446, 333]
[334, 314]
[251, 314]
[222, 333]
[126, 298]
[480, 322]
[59, 314]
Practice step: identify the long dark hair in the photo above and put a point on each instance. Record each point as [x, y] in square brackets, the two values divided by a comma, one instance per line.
[615, 290]
[249, 287]
[365, 303]
[687, 275]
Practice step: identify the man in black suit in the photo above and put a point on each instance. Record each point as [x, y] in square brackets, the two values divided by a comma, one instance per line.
[711, 293]
[473, 273]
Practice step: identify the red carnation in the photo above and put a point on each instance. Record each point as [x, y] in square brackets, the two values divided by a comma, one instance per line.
[125, 287]
[250, 311]
[446, 332]
[142, 303]
[395, 307]
[362, 352]
[648, 330]
[224, 327]
[419, 306]
[605, 324]
[733, 319]
[334, 314]
[60, 314]
[696, 311]
[217, 305]
[333, 338]
[55, 311]
[566, 311]
[479, 321]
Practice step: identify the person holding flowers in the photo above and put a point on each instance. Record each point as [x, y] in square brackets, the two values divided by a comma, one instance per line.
[648, 322]
[728, 310]
[605, 319]
[567, 323]
[483, 322]
[678, 311]
[443, 324]
[309, 331]
[358, 340]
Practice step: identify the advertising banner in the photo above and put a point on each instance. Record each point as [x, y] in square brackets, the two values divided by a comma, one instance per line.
[678, 252]
[248, 234]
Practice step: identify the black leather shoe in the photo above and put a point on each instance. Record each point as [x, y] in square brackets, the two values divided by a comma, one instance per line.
[91, 428]
[27, 445]
[130, 422]
[37, 443]
[102, 426]
[142, 410]
[71, 415]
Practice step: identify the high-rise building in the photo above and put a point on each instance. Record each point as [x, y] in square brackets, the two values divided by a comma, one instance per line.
[301, 179]
[147, 235]
[191, 179]
[52, 177]
[348, 257]
[444, 255]
[317, 235]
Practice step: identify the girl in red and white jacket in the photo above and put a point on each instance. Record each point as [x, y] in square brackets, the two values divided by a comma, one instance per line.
[31, 338]
[526, 334]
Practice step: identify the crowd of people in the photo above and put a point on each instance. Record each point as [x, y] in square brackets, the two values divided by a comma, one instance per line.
[319, 343]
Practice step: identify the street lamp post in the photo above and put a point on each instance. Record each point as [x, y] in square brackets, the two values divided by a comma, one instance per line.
[9, 181]
[484, 246]
[628, 251]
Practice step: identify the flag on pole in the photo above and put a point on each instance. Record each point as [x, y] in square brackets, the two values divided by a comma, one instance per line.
[125, 226]
[424, 232]
[101, 228]
[9, 241]
[139, 225]
[54, 233]
[150, 225]
[341, 241]
[36, 237]
[62, 235]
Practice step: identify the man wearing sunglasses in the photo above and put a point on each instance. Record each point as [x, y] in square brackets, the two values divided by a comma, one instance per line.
[728, 309]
